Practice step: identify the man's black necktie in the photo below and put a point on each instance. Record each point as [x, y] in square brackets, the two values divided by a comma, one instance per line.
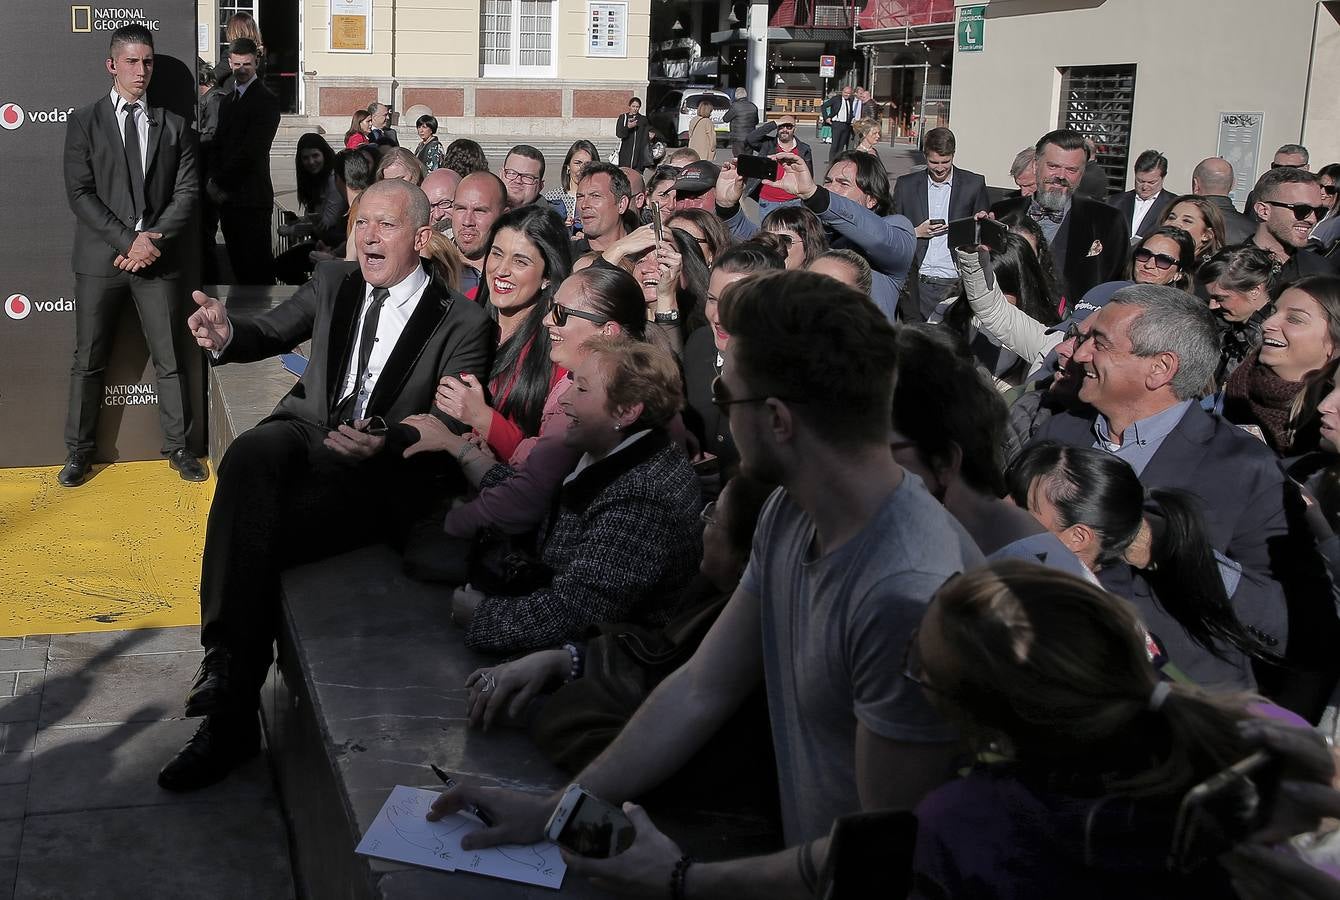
[134, 162]
[367, 336]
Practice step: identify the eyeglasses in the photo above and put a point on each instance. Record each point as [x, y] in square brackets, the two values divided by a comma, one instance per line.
[1301, 210]
[786, 238]
[787, 125]
[561, 314]
[514, 175]
[709, 514]
[442, 205]
[1275, 165]
[1161, 260]
[724, 403]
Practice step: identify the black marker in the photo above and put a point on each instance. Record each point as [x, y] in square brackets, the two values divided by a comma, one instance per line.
[473, 809]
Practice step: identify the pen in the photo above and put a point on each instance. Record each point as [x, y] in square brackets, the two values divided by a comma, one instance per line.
[473, 808]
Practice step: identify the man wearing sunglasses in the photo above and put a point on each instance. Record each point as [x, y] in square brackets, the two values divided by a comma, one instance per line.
[1288, 204]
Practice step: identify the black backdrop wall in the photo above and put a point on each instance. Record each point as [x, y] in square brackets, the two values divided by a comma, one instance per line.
[52, 62]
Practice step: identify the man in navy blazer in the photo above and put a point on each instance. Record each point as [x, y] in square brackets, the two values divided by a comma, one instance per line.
[130, 179]
[931, 199]
[1145, 358]
[1089, 240]
[1144, 208]
[321, 475]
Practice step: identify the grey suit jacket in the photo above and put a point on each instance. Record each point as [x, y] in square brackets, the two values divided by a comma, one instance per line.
[97, 186]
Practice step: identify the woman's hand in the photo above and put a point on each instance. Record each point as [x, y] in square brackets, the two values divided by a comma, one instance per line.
[464, 602]
[463, 399]
[671, 264]
[634, 243]
[508, 688]
[434, 435]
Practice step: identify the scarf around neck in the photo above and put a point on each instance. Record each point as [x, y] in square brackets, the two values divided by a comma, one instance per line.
[1257, 396]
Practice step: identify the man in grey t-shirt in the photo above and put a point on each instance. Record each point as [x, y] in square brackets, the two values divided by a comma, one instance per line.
[846, 558]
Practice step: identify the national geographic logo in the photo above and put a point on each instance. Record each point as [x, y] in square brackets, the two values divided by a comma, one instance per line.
[130, 395]
[88, 19]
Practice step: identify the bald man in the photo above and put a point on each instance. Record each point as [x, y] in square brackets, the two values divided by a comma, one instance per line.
[321, 475]
[481, 198]
[440, 187]
[1213, 180]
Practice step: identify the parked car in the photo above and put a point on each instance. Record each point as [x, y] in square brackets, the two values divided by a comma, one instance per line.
[678, 107]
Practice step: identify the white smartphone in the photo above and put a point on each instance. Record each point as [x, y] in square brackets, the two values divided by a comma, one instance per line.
[588, 826]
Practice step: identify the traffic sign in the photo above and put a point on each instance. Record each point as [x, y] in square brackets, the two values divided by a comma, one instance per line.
[827, 66]
[971, 28]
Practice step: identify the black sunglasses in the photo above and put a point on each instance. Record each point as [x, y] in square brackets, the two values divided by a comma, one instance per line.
[1301, 210]
[561, 314]
[1161, 260]
[724, 403]
[1329, 189]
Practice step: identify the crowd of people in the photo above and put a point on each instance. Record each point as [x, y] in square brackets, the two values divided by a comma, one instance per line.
[1029, 535]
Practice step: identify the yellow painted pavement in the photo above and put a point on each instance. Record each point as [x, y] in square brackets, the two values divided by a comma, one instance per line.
[121, 551]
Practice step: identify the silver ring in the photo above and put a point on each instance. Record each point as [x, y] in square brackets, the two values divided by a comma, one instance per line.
[487, 678]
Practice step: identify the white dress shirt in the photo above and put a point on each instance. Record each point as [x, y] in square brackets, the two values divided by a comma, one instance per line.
[1142, 208]
[395, 313]
[938, 263]
[141, 125]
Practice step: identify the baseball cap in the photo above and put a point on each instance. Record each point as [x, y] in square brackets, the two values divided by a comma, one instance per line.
[1095, 299]
[697, 178]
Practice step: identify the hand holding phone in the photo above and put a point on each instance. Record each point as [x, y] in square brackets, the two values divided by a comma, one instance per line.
[758, 167]
[657, 225]
[588, 826]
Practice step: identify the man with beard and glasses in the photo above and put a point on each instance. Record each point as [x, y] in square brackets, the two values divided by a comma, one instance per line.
[1089, 239]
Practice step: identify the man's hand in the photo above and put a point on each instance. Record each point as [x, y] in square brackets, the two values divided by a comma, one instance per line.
[127, 265]
[928, 230]
[209, 324]
[796, 176]
[519, 818]
[730, 186]
[433, 435]
[463, 399]
[142, 249]
[643, 870]
[635, 243]
[353, 444]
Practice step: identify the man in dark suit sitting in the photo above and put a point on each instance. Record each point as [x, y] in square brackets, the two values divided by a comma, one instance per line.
[239, 174]
[131, 181]
[934, 197]
[1144, 207]
[318, 477]
[1089, 240]
[1145, 358]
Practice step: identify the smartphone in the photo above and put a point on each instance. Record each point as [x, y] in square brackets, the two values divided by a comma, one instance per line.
[991, 233]
[758, 167]
[964, 233]
[1225, 809]
[588, 826]
[708, 465]
[657, 226]
[869, 848]
[937, 223]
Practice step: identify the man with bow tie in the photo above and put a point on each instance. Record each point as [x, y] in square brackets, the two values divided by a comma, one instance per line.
[239, 173]
[1089, 240]
[130, 178]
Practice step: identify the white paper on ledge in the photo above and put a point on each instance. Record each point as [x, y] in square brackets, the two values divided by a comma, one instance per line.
[402, 834]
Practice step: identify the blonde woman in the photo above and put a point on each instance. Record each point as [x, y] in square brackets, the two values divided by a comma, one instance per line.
[867, 136]
[702, 132]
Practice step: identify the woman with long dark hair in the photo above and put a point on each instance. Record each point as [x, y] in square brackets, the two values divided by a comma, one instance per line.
[1167, 255]
[324, 207]
[527, 257]
[360, 126]
[580, 155]
[1085, 752]
[673, 274]
[1239, 282]
[1094, 502]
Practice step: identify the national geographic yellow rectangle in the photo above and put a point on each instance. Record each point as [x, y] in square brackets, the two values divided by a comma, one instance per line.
[81, 19]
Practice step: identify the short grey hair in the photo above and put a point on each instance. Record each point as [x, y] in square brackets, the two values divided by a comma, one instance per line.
[1023, 160]
[374, 106]
[1173, 321]
[416, 200]
[741, 93]
[1293, 150]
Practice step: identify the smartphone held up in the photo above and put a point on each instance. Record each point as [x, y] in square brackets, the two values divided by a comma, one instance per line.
[588, 826]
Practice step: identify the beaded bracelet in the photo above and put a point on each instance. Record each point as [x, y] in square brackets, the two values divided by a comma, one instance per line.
[575, 652]
[677, 877]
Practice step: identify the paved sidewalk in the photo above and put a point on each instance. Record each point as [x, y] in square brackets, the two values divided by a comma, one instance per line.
[86, 721]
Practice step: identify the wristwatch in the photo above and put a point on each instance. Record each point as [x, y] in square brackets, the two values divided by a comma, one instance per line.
[666, 318]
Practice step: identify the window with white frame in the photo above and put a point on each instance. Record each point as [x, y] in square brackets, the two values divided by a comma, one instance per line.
[518, 37]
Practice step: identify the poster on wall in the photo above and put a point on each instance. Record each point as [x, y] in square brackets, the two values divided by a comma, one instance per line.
[55, 55]
[1240, 144]
[607, 29]
[351, 26]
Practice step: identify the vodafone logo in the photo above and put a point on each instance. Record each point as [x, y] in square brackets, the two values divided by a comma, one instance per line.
[18, 306]
[11, 116]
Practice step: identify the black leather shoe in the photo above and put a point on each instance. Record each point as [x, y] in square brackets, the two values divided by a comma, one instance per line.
[219, 745]
[78, 465]
[187, 465]
[216, 681]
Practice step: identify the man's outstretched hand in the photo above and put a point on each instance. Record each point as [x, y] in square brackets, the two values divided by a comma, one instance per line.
[209, 324]
[518, 818]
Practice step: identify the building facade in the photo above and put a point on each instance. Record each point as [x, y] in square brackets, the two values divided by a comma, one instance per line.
[549, 68]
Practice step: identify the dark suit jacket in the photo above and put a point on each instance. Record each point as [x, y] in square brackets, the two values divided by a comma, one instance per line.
[240, 158]
[97, 186]
[1091, 246]
[1251, 513]
[446, 334]
[1125, 202]
[1238, 229]
[967, 197]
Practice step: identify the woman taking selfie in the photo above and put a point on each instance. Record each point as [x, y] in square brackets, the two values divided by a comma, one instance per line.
[624, 540]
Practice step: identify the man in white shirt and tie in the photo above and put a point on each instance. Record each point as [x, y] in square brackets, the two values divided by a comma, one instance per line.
[839, 112]
[1144, 207]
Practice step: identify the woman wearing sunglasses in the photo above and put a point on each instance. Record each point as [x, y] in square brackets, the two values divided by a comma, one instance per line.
[1297, 342]
[1167, 255]
[1328, 229]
